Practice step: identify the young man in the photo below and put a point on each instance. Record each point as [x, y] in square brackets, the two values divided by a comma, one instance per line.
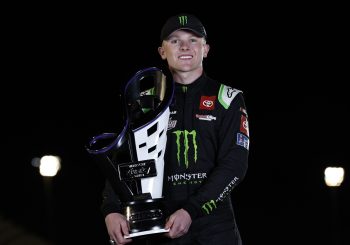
[207, 146]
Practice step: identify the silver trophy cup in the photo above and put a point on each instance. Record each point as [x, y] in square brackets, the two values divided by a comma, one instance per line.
[133, 161]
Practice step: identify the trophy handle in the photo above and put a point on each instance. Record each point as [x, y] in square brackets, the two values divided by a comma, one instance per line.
[105, 157]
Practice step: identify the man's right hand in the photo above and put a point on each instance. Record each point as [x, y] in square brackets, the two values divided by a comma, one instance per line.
[117, 227]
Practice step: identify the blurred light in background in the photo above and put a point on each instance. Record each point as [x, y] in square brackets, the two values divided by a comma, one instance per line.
[333, 176]
[49, 165]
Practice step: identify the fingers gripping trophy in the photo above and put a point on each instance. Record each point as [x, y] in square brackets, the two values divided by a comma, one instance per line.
[133, 161]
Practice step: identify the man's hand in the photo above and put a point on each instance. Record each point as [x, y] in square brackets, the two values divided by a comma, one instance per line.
[117, 227]
[179, 223]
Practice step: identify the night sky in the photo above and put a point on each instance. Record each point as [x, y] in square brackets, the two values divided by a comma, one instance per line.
[65, 68]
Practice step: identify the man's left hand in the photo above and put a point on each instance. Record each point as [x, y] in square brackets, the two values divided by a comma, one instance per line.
[179, 223]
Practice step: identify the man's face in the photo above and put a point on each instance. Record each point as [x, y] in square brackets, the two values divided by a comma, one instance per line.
[184, 51]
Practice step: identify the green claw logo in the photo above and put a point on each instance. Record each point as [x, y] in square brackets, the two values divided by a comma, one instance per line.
[183, 20]
[209, 206]
[186, 133]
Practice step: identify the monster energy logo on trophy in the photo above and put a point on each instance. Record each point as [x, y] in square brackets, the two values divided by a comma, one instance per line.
[183, 137]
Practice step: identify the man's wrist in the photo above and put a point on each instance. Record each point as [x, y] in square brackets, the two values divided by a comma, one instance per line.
[191, 210]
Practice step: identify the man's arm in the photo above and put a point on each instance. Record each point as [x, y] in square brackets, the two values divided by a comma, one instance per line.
[231, 163]
[117, 225]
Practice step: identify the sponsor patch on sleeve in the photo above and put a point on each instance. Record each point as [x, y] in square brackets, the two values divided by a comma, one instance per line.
[244, 128]
[242, 140]
[243, 111]
[226, 95]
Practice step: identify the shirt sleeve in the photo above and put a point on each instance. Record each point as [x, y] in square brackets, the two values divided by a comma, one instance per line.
[110, 201]
[231, 161]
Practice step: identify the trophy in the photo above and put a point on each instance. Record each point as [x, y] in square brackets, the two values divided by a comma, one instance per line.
[133, 161]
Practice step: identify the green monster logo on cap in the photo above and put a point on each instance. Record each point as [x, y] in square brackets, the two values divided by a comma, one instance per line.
[183, 20]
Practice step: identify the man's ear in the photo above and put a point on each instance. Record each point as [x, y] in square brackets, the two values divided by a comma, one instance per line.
[161, 52]
[206, 50]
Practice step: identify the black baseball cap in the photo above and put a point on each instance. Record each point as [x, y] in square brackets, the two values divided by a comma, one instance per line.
[183, 21]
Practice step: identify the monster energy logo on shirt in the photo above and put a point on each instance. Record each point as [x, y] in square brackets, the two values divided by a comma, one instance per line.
[209, 206]
[186, 144]
[187, 178]
[183, 20]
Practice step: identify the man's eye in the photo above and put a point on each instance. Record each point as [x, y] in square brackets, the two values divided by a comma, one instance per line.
[174, 41]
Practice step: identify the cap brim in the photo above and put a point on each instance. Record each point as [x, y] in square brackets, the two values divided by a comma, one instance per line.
[198, 34]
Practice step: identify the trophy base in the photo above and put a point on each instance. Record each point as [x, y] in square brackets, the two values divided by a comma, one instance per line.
[145, 217]
[143, 233]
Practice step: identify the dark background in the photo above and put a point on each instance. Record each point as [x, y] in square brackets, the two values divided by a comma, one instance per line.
[63, 69]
